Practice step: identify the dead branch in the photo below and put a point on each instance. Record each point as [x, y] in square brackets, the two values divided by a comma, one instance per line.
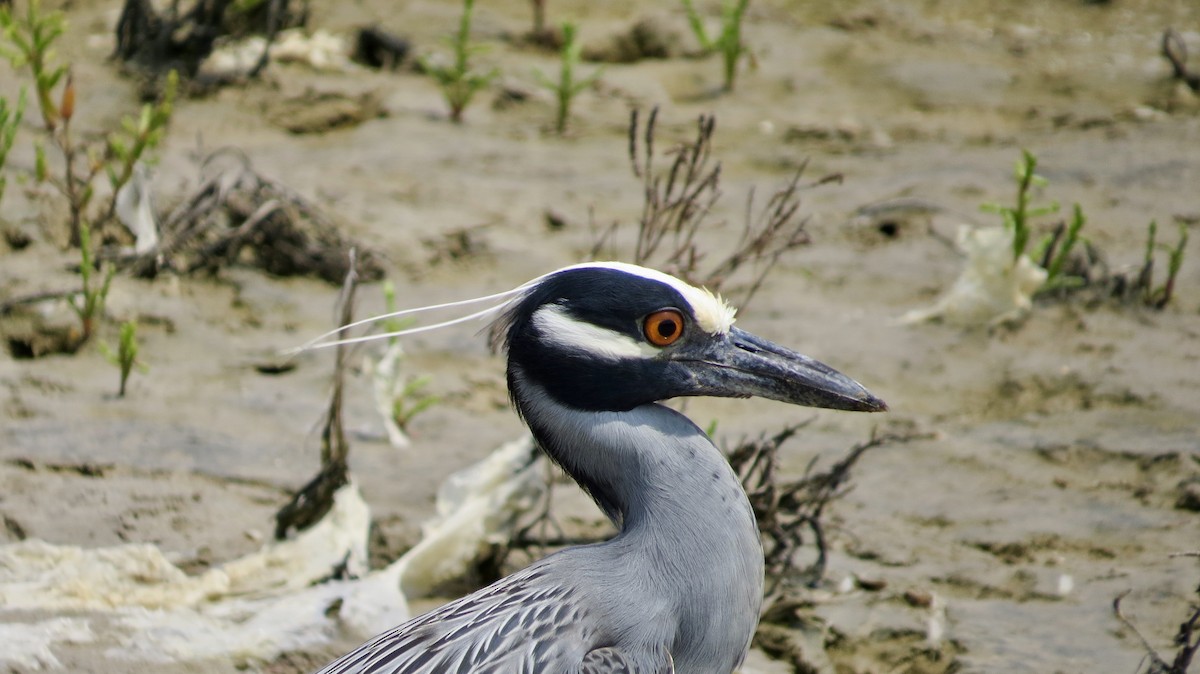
[236, 215]
[1175, 50]
[157, 42]
[677, 200]
[1187, 639]
[786, 510]
[315, 499]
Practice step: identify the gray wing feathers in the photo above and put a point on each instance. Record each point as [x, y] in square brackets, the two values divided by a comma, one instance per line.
[613, 661]
[520, 624]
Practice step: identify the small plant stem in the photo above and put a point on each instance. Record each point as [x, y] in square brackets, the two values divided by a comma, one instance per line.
[462, 94]
[464, 36]
[126, 353]
[697, 24]
[1025, 173]
[1173, 266]
[1058, 262]
[459, 84]
[1145, 279]
[71, 181]
[9, 123]
[566, 88]
[731, 40]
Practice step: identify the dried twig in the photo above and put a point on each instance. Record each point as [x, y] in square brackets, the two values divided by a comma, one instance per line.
[1175, 50]
[315, 499]
[785, 510]
[1187, 639]
[677, 201]
[234, 209]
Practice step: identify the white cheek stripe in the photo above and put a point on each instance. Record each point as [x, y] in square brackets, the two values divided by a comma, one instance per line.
[557, 327]
[713, 314]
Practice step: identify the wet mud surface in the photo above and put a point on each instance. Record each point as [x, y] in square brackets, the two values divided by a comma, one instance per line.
[1064, 458]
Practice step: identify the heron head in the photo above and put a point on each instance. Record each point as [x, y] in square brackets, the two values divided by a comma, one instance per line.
[613, 336]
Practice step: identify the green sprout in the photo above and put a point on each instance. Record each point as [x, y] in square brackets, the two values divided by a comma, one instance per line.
[126, 356]
[392, 324]
[711, 431]
[1159, 297]
[1055, 253]
[31, 38]
[10, 120]
[1054, 250]
[1017, 218]
[89, 303]
[408, 399]
[411, 401]
[728, 42]
[459, 82]
[567, 87]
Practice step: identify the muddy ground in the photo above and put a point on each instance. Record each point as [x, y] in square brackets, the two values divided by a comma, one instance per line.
[1064, 449]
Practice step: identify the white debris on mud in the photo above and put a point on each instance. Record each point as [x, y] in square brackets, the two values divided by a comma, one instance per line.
[27, 645]
[320, 50]
[254, 608]
[993, 287]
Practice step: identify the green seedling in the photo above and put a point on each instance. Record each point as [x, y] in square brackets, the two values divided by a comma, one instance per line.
[411, 400]
[126, 356]
[10, 120]
[567, 87]
[1159, 297]
[728, 42]
[1056, 252]
[459, 82]
[89, 303]
[409, 397]
[1017, 217]
[30, 38]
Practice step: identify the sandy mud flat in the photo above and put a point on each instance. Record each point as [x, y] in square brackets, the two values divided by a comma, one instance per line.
[1061, 463]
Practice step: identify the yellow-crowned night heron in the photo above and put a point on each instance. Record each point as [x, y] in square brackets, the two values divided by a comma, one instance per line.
[591, 349]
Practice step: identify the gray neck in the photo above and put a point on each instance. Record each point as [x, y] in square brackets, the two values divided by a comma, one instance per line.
[678, 505]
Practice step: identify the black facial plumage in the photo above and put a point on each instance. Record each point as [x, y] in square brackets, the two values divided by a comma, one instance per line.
[607, 298]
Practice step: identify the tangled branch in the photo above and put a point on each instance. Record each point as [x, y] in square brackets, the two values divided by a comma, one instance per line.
[677, 200]
[785, 510]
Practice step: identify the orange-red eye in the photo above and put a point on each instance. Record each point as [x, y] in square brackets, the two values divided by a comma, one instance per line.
[663, 328]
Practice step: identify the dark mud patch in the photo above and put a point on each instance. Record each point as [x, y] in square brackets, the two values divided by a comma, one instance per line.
[895, 651]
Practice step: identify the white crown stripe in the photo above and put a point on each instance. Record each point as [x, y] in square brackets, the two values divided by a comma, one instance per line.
[714, 315]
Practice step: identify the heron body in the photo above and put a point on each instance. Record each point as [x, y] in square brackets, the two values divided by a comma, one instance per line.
[591, 350]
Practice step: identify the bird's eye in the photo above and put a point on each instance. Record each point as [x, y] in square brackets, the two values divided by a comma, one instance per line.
[663, 328]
